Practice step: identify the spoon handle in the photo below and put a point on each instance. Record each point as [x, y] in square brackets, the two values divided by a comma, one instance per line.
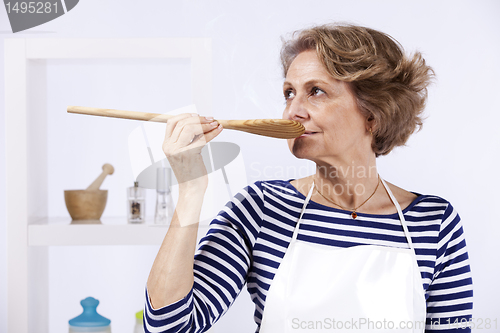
[133, 115]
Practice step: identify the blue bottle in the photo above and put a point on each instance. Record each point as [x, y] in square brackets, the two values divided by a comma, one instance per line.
[90, 320]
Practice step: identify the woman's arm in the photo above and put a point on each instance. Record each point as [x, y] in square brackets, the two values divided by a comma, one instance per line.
[449, 302]
[187, 292]
[171, 276]
[221, 267]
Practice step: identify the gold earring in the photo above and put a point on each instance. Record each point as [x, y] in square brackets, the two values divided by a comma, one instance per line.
[370, 129]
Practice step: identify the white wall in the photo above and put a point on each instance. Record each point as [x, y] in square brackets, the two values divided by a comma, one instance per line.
[455, 155]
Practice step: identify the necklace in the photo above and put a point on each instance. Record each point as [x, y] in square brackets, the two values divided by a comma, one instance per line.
[353, 214]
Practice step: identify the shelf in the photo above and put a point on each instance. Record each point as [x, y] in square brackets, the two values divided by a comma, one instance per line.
[112, 231]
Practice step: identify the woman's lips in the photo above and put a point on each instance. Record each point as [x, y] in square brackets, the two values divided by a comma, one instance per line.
[307, 133]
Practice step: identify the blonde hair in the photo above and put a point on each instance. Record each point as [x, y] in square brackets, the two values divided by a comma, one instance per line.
[390, 88]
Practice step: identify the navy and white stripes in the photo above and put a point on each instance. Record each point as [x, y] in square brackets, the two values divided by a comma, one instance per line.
[247, 241]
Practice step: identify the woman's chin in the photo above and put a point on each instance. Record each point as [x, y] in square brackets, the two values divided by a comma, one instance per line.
[300, 151]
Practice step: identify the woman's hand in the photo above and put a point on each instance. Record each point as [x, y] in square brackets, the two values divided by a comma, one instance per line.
[185, 136]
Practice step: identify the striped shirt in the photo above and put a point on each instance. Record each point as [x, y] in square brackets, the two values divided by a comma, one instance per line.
[248, 239]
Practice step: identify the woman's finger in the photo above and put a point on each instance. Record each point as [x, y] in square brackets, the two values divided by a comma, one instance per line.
[172, 123]
[194, 122]
[209, 136]
[188, 134]
[193, 132]
[204, 139]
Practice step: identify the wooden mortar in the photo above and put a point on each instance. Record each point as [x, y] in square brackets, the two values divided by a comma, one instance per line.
[86, 206]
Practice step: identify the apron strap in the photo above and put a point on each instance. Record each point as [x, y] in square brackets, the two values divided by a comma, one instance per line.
[405, 227]
[400, 213]
[296, 230]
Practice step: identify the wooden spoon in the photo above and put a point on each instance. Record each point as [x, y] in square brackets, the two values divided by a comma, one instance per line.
[275, 128]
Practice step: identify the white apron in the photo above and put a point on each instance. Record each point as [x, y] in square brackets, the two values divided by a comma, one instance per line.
[363, 288]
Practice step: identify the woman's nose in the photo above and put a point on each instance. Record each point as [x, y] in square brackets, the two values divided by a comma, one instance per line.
[297, 109]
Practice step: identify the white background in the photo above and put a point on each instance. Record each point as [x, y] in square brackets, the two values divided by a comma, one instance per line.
[455, 155]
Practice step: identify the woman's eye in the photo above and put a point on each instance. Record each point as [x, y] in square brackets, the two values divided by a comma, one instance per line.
[289, 94]
[316, 91]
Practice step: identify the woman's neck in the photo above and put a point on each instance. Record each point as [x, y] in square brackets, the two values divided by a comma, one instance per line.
[347, 184]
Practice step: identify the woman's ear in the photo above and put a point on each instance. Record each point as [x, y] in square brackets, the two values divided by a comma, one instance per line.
[370, 124]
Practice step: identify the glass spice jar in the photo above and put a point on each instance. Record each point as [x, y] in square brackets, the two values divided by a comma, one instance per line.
[136, 204]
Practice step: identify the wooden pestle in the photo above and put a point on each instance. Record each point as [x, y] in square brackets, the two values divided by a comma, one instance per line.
[107, 169]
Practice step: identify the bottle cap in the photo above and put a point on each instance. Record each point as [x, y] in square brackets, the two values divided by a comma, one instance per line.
[89, 317]
[139, 315]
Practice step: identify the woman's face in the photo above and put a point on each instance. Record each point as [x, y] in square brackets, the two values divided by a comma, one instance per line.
[326, 107]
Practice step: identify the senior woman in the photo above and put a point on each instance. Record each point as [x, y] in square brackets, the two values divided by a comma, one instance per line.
[341, 249]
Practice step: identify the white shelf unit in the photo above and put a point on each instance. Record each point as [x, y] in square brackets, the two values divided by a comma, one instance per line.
[58, 231]
[28, 237]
